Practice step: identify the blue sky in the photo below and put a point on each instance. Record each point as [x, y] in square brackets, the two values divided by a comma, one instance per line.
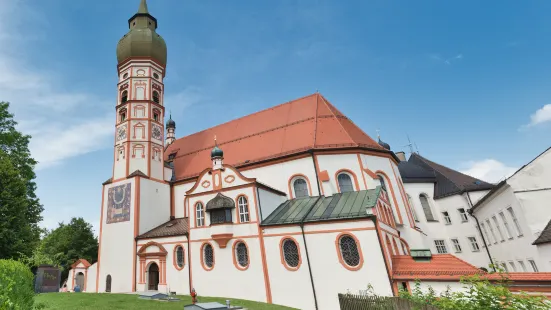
[468, 81]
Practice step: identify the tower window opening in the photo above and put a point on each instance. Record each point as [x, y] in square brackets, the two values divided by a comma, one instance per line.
[156, 117]
[122, 115]
[156, 97]
[124, 96]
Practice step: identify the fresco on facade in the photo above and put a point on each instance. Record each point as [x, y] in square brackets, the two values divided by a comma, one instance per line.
[118, 203]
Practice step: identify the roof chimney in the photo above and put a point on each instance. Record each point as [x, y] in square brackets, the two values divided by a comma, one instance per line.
[401, 156]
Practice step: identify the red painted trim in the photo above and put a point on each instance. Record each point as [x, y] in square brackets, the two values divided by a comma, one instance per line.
[282, 255]
[389, 184]
[100, 235]
[347, 171]
[291, 187]
[267, 284]
[339, 253]
[203, 258]
[362, 169]
[234, 255]
[238, 209]
[175, 257]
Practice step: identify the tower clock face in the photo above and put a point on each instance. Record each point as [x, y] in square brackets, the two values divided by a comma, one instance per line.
[121, 133]
[157, 133]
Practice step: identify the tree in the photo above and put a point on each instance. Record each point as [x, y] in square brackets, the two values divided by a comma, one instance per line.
[20, 237]
[67, 243]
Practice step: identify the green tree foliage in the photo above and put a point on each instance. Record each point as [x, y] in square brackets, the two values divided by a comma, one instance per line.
[67, 243]
[16, 286]
[20, 210]
[479, 294]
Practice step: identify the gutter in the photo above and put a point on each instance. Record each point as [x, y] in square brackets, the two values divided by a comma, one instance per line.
[316, 171]
[471, 213]
[306, 248]
[189, 263]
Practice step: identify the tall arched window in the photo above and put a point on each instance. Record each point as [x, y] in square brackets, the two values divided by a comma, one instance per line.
[345, 183]
[156, 96]
[124, 96]
[243, 209]
[383, 186]
[426, 207]
[301, 188]
[382, 180]
[208, 256]
[412, 209]
[122, 115]
[291, 255]
[180, 256]
[349, 251]
[199, 215]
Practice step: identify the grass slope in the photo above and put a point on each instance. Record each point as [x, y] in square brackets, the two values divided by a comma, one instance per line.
[89, 301]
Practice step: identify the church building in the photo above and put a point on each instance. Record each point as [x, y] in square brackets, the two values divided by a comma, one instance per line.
[290, 205]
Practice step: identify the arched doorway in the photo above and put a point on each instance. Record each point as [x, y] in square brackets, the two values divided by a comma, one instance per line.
[79, 280]
[153, 277]
[108, 284]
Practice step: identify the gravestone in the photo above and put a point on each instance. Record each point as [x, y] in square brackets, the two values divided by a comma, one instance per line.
[47, 279]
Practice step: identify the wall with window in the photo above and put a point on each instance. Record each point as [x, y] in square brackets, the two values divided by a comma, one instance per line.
[154, 204]
[450, 223]
[520, 218]
[347, 164]
[268, 202]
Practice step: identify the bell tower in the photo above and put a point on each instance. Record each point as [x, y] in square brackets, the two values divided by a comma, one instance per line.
[136, 198]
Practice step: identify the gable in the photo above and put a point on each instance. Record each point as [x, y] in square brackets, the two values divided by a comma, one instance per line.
[533, 175]
[211, 180]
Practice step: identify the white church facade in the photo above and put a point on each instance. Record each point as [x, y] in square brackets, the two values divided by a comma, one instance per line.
[291, 205]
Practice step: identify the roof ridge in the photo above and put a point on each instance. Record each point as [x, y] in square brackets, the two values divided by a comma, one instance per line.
[329, 106]
[429, 162]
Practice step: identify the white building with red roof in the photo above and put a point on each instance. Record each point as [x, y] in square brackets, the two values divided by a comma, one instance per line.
[291, 205]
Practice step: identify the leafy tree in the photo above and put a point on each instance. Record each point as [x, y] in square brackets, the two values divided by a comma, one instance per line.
[20, 210]
[67, 243]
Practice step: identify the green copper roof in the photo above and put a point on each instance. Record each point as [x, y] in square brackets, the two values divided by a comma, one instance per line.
[320, 208]
[142, 40]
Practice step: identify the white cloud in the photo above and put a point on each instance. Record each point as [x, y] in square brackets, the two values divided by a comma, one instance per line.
[447, 61]
[542, 115]
[489, 170]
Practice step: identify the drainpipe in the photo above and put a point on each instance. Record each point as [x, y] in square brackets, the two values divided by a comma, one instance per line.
[306, 250]
[471, 213]
[316, 171]
[383, 251]
[189, 263]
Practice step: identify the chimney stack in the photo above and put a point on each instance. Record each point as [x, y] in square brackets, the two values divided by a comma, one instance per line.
[401, 156]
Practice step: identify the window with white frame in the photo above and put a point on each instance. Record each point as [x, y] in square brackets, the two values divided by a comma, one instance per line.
[522, 265]
[474, 244]
[498, 228]
[426, 208]
[243, 209]
[447, 218]
[493, 233]
[199, 215]
[533, 265]
[515, 221]
[463, 215]
[412, 208]
[513, 267]
[486, 235]
[440, 246]
[456, 245]
[506, 224]
[301, 188]
[345, 182]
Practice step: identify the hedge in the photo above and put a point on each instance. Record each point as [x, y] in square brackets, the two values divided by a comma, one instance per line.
[16, 286]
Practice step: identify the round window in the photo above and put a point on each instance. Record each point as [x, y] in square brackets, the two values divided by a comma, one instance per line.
[125, 76]
[155, 75]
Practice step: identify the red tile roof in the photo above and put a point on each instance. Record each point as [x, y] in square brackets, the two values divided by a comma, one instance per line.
[441, 266]
[300, 125]
[450, 267]
[83, 261]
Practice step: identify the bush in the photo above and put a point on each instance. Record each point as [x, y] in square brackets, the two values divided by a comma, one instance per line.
[16, 286]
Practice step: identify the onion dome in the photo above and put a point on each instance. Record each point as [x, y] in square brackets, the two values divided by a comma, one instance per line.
[216, 152]
[170, 123]
[384, 144]
[142, 40]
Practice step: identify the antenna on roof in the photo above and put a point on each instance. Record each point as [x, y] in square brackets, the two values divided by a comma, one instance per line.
[411, 145]
[378, 134]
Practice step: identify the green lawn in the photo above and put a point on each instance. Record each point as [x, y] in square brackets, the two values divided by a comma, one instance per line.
[89, 301]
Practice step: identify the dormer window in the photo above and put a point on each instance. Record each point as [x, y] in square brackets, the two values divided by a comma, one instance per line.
[220, 209]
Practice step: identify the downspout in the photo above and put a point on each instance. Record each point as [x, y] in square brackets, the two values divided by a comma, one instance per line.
[306, 250]
[316, 171]
[471, 213]
[383, 251]
[189, 263]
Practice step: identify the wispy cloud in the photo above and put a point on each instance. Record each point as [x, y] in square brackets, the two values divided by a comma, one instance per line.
[446, 60]
[541, 116]
[489, 170]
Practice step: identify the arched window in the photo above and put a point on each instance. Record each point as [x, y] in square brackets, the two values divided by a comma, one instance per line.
[199, 215]
[349, 251]
[243, 209]
[382, 180]
[108, 284]
[242, 255]
[156, 96]
[345, 183]
[426, 207]
[412, 209]
[301, 188]
[124, 96]
[208, 256]
[180, 256]
[291, 254]
[122, 115]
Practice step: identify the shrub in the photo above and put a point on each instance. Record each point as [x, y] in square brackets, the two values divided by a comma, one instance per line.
[16, 286]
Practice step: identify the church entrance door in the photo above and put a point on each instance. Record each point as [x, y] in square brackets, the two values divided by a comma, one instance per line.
[153, 283]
